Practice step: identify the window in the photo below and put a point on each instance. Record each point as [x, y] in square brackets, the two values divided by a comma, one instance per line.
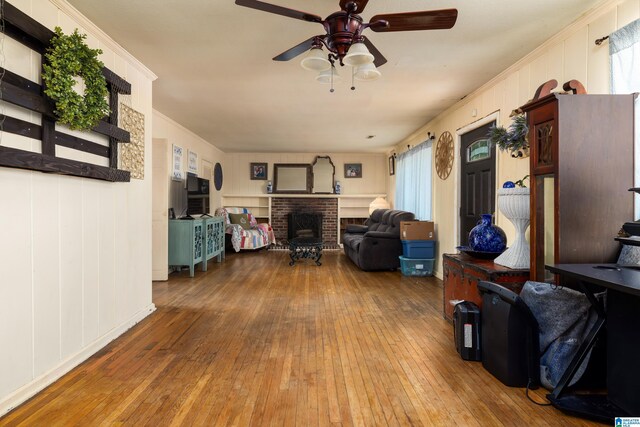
[624, 48]
[413, 181]
[479, 150]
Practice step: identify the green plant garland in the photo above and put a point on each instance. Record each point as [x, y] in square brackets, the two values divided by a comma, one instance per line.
[68, 56]
[514, 138]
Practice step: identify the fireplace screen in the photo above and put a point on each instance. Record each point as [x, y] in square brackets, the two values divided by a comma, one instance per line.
[305, 224]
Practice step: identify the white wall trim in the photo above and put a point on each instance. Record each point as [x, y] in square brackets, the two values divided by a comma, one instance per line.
[495, 116]
[38, 384]
[85, 23]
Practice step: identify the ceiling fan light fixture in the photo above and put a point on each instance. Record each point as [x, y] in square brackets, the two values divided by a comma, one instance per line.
[325, 76]
[315, 60]
[358, 54]
[366, 72]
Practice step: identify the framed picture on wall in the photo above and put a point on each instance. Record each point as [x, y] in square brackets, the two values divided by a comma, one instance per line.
[177, 174]
[259, 171]
[392, 165]
[192, 163]
[353, 170]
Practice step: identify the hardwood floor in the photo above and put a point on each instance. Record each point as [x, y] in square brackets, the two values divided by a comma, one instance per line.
[256, 342]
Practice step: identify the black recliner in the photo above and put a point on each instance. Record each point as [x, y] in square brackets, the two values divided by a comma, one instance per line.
[376, 245]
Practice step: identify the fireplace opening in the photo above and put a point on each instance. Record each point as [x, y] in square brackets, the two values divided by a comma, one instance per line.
[304, 224]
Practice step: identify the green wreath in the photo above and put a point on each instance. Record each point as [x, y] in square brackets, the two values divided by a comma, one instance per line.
[68, 56]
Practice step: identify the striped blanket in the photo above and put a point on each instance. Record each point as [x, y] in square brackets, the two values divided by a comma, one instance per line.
[260, 235]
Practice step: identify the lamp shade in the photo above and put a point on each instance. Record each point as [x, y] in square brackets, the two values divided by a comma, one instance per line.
[378, 203]
[315, 60]
[366, 72]
[358, 55]
[325, 76]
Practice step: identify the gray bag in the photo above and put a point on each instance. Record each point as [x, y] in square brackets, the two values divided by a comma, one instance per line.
[565, 317]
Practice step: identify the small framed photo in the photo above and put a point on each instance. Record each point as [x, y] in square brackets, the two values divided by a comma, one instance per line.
[259, 171]
[392, 165]
[353, 170]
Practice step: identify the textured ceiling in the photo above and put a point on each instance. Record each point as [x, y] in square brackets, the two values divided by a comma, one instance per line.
[216, 76]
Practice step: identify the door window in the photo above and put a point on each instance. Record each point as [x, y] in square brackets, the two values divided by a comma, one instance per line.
[479, 150]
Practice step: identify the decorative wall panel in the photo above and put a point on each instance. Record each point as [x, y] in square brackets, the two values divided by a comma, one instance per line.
[132, 154]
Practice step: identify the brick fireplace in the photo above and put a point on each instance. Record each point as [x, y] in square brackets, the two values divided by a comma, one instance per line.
[281, 207]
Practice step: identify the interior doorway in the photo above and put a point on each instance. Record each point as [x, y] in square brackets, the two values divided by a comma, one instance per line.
[477, 178]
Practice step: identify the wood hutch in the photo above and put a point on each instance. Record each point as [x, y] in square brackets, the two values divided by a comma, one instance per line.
[581, 168]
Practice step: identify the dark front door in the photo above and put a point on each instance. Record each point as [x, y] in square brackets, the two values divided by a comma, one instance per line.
[478, 179]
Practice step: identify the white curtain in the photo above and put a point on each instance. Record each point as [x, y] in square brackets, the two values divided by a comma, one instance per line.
[413, 181]
[624, 49]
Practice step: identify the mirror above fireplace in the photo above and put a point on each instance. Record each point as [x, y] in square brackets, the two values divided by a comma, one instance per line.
[323, 175]
[292, 178]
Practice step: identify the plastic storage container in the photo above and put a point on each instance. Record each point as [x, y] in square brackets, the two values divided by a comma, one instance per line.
[416, 266]
[424, 249]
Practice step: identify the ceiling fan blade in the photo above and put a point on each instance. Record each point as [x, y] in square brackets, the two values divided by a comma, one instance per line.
[379, 59]
[296, 50]
[360, 5]
[413, 21]
[279, 10]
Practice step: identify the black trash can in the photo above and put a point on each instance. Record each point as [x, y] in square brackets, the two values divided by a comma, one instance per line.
[510, 340]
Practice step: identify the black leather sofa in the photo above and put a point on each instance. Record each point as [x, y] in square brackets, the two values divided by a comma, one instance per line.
[376, 245]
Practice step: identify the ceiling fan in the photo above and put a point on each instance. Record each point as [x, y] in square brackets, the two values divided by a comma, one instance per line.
[343, 33]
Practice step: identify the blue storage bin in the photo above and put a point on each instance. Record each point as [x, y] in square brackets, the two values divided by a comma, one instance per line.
[423, 249]
[416, 267]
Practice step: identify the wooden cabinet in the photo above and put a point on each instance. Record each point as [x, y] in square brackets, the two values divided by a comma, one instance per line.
[581, 167]
[462, 273]
[195, 241]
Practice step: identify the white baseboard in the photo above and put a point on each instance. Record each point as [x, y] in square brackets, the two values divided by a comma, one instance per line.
[161, 275]
[29, 390]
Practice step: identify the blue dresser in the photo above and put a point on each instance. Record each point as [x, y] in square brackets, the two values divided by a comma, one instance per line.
[195, 241]
[213, 239]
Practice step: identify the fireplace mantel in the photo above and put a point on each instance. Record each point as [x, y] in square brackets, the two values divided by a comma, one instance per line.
[350, 207]
[312, 196]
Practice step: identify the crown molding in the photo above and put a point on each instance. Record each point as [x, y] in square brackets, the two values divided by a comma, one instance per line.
[185, 129]
[585, 19]
[85, 23]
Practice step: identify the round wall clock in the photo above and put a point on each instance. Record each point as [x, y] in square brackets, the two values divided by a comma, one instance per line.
[444, 155]
[217, 176]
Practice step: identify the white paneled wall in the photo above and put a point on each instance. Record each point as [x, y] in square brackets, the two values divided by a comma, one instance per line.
[76, 253]
[374, 171]
[571, 54]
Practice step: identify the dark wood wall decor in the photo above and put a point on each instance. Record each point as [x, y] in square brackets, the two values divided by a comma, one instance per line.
[24, 93]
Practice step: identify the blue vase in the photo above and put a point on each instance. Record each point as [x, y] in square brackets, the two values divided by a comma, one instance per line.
[486, 237]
